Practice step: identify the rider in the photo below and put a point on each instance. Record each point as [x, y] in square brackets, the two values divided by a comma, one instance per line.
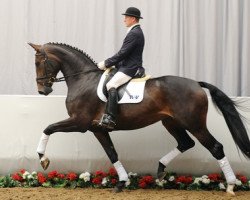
[128, 61]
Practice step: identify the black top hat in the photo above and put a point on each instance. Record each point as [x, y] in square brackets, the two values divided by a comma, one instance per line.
[134, 12]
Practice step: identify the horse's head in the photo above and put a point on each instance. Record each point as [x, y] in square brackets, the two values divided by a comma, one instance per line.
[47, 67]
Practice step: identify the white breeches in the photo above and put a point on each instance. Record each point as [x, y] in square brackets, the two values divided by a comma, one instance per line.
[117, 80]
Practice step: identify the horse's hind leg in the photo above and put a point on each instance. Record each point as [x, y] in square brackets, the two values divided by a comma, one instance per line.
[184, 143]
[216, 149]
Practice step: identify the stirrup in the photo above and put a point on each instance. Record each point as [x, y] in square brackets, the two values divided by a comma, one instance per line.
[107, 122]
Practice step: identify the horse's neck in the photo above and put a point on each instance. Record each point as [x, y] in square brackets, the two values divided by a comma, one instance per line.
[79, 70]
[81, 78]
[73, 74]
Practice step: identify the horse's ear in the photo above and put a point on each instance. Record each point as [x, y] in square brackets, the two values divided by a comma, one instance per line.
[35, 46]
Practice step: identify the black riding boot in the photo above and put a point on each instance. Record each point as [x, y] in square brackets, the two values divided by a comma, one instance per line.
[108, 119]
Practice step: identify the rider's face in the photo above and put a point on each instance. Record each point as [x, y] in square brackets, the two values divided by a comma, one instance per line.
[129, 21]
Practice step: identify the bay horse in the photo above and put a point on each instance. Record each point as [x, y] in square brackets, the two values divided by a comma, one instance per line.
[180, 103]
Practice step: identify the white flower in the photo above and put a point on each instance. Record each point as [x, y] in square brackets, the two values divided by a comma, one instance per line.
[249, 183]
[104, 181]
[25, 174]
[197, 180]
[34, 173]
[206, 181]
[81, 176]
[131, 174]
[171, 178]
[204, 177]
[30, 177]
[238, 182]
[85, 176]
[222, 186]
[127, 183]
[160, 183]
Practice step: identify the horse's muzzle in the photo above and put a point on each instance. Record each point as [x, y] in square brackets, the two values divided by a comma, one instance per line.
[46, 90]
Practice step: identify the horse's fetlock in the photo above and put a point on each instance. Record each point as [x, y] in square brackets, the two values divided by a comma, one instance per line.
[184, 147]
[217, 151]
[40, 155]
[48, 130]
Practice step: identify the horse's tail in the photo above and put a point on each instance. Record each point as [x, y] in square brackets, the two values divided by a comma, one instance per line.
[232, 117]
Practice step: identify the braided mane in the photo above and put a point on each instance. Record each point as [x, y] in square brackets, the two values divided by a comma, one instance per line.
[74, 48]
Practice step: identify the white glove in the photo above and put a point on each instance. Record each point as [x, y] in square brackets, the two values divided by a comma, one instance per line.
[101, 65]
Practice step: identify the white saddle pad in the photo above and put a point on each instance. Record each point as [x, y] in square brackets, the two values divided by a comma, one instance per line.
[133, 93]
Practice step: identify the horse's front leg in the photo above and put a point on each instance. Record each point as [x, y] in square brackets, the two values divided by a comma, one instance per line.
[107, 144]
[68, 125]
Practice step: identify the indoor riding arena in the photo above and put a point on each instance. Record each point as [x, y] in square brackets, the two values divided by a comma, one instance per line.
[178, 131]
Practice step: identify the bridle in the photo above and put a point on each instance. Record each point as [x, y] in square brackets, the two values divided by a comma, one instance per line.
[50, 77]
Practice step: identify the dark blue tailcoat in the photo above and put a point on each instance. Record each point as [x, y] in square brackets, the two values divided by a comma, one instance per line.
[129, 58]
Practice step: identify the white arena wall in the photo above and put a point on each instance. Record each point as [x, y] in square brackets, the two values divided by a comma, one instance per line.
[23, 118]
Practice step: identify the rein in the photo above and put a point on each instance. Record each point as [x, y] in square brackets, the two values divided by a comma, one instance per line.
[53, 79]
[63, 78]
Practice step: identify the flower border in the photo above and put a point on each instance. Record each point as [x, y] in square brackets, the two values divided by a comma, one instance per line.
[109, 179]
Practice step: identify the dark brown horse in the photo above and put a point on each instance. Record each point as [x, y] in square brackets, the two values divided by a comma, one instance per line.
[181, 104]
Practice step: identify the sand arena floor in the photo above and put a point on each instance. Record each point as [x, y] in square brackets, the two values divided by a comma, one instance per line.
[100, 194]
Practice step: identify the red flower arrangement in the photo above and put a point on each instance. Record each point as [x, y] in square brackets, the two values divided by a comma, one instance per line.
[17, 177]
[146, 182]
[101, 179]
[52, 174]
[41, 178]
[71, 176]
[215, 177]
[61, 176]
[97, 181]
[100, 174]
[112, 172]
[184, 179]
[242, 178]
[113, 181]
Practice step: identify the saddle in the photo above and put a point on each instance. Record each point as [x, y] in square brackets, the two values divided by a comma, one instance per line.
[131, 92]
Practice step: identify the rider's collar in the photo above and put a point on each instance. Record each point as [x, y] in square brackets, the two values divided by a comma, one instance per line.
[130, 28]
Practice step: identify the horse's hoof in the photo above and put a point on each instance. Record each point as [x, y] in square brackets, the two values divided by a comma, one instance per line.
[230, 190]
[161, 175]
[161, 172]
[45, 162]
[117, 189]
[120, 185]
